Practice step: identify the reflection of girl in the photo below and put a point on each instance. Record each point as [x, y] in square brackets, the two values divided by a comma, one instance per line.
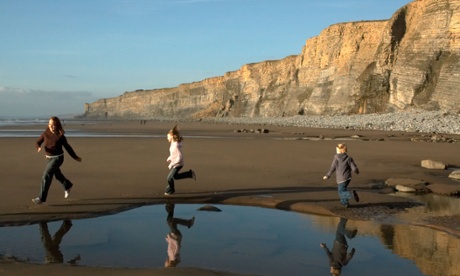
[176, 161]
[174, 242]
[53, 140]
[174, 237]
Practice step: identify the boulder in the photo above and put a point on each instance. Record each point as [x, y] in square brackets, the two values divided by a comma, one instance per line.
[405, 189]
[455, 175]
[445, 189]
[405, 182]
[209, 208]
[433, 165]
[408, 185]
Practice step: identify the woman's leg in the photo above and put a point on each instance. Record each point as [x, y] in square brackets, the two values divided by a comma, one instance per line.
[61, 178]
[52, 166]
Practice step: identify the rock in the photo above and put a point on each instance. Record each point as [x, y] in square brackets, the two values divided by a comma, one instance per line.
[359, 67]
[445, 189]
[404, 182]
[433, 165]
[455, 174]
[377, 185]
[405, 189]
[209, 208]
[408, 185]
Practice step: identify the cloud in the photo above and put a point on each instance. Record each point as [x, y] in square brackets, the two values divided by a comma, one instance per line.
[19, 102]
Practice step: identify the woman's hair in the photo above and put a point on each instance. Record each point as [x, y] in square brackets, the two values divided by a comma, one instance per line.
[335, 271]
[174, 132]
[59, 129]
[342, 148]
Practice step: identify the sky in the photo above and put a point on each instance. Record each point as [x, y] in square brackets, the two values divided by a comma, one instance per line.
[57, 55]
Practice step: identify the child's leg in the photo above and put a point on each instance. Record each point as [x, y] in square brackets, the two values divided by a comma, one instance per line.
[344, 194]
[171, 176]
[187, 174]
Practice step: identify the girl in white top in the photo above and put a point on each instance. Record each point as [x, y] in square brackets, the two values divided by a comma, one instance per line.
[176, 161]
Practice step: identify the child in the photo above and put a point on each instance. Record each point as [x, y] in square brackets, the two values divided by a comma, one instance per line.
[53, 140]
[176, 161]
[343, 165]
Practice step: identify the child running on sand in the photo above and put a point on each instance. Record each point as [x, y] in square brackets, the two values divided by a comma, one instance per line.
[176, 161]
[343, 165]
[53, 140]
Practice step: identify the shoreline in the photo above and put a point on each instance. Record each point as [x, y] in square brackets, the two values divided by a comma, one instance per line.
[411, 121]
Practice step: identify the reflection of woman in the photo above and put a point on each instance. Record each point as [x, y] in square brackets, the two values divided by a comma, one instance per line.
[53, 254]
[174, 237]
[339, 257]
[53, 140]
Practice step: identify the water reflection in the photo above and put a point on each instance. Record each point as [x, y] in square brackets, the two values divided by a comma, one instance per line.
[247, 240]
[174, 237]
[52, 244]
[339, 256]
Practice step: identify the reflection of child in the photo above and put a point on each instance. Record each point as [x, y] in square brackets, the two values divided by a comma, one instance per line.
[339, 257]
[176, 161]
[174, 243]
[343, 165]
[174, 237]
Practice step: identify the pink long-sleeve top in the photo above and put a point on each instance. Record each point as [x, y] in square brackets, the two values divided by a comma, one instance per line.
[175, 158]
[174, 244]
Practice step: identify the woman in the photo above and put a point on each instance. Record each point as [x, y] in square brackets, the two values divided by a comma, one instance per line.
[53, 140]
[176, 161]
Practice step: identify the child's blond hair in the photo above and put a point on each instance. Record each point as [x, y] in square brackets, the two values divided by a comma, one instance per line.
[174, 132]
[342, 148]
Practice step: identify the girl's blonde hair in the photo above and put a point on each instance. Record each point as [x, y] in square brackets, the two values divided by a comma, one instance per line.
[342, 148]
[174, 132]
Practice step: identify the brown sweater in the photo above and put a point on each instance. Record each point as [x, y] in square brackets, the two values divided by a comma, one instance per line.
[53, 144]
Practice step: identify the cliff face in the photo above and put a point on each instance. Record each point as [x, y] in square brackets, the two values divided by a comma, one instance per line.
[410, 60]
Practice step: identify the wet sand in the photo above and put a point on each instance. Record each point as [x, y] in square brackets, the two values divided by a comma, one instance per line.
[281, 169]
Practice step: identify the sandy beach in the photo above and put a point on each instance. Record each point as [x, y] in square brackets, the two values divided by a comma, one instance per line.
[232, 167]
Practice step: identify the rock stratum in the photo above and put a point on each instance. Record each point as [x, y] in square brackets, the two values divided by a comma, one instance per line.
[409, 61]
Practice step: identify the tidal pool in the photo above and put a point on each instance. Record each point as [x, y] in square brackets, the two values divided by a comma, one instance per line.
[240, 239]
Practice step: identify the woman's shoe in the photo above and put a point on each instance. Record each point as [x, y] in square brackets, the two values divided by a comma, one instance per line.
[37, 200]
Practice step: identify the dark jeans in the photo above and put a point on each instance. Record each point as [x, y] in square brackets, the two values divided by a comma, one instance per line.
[344, 194]
[51, 244]
[53, 169]
[175, 175]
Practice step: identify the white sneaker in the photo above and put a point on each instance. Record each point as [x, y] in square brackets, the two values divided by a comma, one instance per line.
[66, 193]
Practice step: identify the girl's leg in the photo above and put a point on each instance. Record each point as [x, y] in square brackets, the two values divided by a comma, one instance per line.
[52, 166]
[187, 174]
[170, 189]
[344, 194]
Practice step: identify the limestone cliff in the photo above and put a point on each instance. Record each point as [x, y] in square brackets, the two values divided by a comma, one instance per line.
[410, 60]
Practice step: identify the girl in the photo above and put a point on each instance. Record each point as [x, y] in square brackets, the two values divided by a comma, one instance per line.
[53, 140]
[343, 165]
[176, 161]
